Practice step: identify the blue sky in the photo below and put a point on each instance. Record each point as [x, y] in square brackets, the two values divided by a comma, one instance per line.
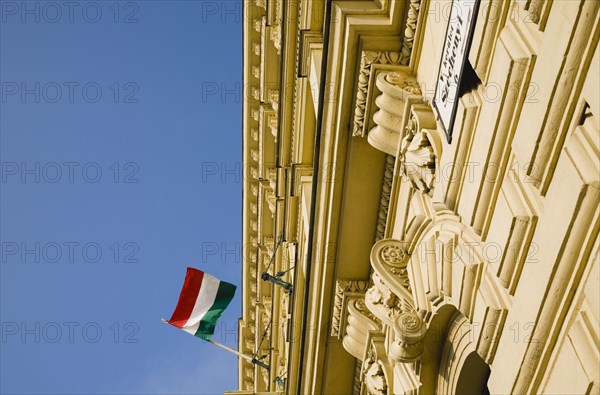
[120, 168]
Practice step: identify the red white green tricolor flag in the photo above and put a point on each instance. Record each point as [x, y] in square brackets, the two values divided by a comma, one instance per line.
[201, 303]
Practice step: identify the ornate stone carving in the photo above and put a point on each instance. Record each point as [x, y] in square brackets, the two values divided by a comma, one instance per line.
[368, 58]
[272, 178]
[410, 333]
[274, 100]
[410, 31]
[255, 93]
[386, 189]
[257, 24]
[271, 201]
[382, 301]
[398, 91]
[273, 125]
[389, 260]
[357, 377]
[342, 289]
[360, 322]
[417, 153]
[275, 36]
[374, 377]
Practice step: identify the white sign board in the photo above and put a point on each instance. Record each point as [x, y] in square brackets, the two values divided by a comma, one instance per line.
[462, 17]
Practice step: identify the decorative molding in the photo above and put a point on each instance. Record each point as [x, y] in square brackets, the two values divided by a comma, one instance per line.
[343, 290]
[368, 58]
[386, 190]
[357, 377]
[410, 31]
[308, 40]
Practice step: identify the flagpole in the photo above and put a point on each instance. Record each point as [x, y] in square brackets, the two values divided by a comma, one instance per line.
[231, 350]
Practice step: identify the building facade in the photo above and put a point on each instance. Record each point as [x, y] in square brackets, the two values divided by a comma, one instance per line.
[421, 193]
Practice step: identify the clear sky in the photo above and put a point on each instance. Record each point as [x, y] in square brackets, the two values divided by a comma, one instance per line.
[120, 168]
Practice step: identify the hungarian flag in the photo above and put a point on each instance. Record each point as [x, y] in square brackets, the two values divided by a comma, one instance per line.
[201, 303]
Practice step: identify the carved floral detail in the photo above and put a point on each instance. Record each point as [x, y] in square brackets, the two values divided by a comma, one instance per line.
[389, 260]
[393, 255]
[410, 331]
[374, 378]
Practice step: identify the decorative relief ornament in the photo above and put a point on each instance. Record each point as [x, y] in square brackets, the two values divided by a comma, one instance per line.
[393, 255]
[389, 260]
[409, 32]
[374, 377]
[410, 331]
[417, 153]
[257, 24]
[407, 84]
[368, 59]
[398, 90]
[344, 288]
[273, 126]
[382, 302]
[275, 36]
